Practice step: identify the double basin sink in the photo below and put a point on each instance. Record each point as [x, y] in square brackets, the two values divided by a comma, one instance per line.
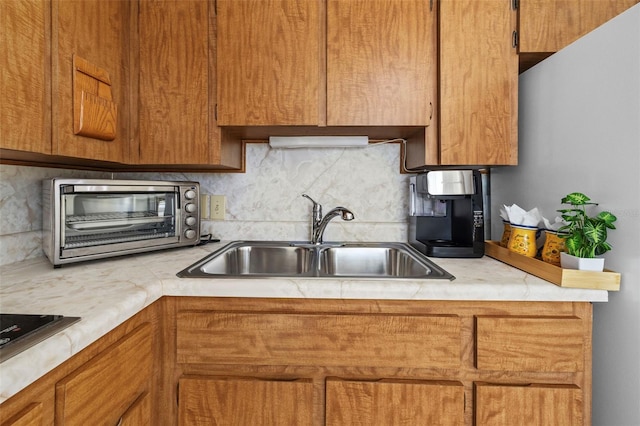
[257, 259]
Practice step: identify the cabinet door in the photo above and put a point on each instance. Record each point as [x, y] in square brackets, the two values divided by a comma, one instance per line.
[478, 83]
[139, 414]
[32, 415]
[381, 62]
[550, 25]
[25, 80]
[268, 62]
[102, 390]
[506, 405]
[98, 32]
[244, 401]
[174, 83]
[387, 403]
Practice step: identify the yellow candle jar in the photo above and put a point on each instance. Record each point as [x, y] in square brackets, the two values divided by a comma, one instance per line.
[523, 240]
[553, 246]
[506, 233]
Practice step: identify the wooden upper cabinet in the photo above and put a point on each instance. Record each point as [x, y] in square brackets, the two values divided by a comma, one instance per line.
[95, 33]
[550, 25]
[268, 62]
[25, 82]
[326, 62]
[478, 83]
[174, 82]
[381, 62]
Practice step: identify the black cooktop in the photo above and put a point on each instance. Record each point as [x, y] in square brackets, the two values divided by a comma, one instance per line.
[21, 331]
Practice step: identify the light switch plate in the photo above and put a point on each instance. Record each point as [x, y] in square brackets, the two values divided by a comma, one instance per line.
[218, 207]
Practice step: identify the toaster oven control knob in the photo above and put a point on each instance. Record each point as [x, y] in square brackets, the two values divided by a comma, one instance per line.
[190, 220]
[190, 207]
[190, 194]
[189, 234]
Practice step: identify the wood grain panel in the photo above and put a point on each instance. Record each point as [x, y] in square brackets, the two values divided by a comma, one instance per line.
[98, 31]
[381, 62]
[244, 401]
[550, 25]
[107, 385]
[269, 61]
[306, 339]
[530, 344]
[174, 82]
[25, 80]
[478, 83]
[507, 405]
[139, 414]
[388, 403]
[30, 416]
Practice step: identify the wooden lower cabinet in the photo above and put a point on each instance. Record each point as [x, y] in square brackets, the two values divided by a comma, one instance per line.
[393, 402]
[111, 382]
[102, 390]
[536, 404]
[244, 401]
[32, 415]
[347, 362]
[243, 361]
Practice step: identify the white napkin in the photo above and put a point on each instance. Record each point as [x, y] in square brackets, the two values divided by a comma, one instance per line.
[559, 223]
[518, 216]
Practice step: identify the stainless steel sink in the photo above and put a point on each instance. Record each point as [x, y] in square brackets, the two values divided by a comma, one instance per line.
[258, 259]
[327, 260]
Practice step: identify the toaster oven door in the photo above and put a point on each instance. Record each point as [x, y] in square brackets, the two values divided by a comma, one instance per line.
[107, 222]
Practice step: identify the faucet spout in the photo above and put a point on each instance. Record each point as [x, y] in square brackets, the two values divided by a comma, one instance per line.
[318, 233]
[319, 223]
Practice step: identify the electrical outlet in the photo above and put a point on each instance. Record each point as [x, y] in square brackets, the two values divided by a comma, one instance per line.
[218, 207]
[205, 206]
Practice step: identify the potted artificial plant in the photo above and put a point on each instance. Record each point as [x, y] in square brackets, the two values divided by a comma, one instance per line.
[585, 236]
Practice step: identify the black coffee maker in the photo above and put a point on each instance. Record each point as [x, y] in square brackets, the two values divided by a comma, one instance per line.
[446, 216]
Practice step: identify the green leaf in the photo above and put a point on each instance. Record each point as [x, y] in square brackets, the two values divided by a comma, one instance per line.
[576, 199]
[608, 219]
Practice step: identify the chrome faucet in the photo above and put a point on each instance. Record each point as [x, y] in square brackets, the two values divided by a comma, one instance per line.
[319, 223]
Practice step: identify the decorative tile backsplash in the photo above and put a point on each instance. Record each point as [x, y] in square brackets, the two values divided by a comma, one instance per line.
[265, 203]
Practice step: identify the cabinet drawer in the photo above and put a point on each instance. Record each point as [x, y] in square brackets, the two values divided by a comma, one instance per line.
[535, 404]
[244, 401]
[319, 339]
[104, 388]
[530, 344]
[389, 402]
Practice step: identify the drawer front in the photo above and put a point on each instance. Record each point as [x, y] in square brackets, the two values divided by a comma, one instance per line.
[244, 401]
[389, 402]
[319, 339]
[530, 344]
[535, 404]
[104, 388]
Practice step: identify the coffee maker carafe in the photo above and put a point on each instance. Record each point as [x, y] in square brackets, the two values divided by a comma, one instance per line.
[446, 213]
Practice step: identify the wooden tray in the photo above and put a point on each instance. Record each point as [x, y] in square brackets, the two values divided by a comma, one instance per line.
[606, 280]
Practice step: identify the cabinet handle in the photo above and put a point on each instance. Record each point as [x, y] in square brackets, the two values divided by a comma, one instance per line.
[514, 39]
[119, 422]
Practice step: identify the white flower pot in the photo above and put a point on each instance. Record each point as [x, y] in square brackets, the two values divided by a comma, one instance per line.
[572, 262]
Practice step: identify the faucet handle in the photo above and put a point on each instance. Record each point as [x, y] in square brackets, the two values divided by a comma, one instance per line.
[311, 199]
[317, 209]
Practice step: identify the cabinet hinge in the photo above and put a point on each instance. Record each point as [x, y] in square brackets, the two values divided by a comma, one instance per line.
[515, 4]
[514, 39]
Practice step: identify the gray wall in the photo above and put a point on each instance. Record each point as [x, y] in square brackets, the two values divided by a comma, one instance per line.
[580, 131]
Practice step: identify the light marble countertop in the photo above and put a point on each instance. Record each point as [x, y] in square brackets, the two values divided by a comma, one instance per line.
[106, 293]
